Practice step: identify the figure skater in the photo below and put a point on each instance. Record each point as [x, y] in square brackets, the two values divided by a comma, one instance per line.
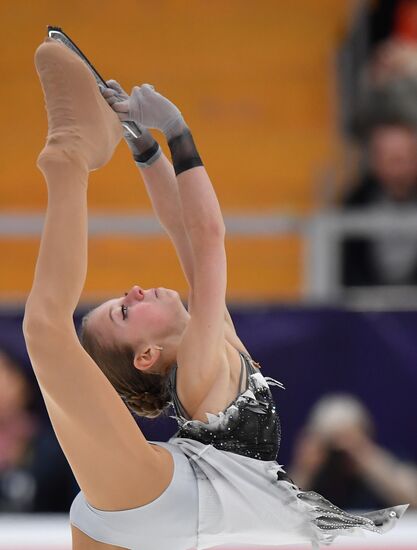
[216, 481]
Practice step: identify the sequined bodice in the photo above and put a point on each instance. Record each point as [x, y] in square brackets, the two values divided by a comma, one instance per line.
[249, 426]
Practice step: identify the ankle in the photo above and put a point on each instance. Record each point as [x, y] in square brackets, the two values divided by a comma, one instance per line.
[62, 158]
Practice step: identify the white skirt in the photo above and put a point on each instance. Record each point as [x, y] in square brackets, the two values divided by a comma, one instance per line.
[241, 501]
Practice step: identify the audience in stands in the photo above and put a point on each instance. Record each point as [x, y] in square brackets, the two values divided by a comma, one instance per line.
[388, 184]
[388, 81]
[336, 455]
[385, 123]
[34, 474]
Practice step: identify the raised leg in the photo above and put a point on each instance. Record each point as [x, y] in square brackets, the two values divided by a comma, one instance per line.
[83, 132]
[113, 463]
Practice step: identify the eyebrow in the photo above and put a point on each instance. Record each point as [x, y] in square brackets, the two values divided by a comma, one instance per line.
[110, 315]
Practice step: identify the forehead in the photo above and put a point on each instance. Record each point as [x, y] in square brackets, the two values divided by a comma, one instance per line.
[99, 324]
[100, 314]
[101, 307]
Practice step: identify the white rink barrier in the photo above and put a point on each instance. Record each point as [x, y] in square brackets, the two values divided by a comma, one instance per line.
[47, 532]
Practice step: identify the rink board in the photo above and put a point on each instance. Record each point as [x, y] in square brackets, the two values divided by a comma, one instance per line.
[52, 532]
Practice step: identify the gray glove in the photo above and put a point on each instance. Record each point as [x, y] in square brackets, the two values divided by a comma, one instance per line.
[149, 109]
[145, 148]
[145, 107]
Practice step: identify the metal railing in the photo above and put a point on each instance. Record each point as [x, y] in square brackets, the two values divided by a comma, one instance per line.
[325, 233]
[321, 234]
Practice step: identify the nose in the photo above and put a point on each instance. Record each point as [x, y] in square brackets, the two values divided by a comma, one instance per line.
[135, 293]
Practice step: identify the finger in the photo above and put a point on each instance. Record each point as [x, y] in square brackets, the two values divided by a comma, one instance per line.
[121, 106]
[109, 95]
[115, 86]
[112, 100]
[148, 87]
[136, 94]
[135, 90]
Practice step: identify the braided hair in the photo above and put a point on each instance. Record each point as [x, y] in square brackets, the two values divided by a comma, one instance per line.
[145, 394]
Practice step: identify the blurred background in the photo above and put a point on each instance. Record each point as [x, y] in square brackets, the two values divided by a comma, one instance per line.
[305, 115]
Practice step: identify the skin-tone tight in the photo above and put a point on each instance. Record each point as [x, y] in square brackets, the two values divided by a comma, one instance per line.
[88, 417]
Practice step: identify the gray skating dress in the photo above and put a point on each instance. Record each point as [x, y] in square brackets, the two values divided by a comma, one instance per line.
[245, 496]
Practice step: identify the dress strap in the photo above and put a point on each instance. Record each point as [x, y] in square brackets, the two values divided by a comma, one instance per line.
[270, 381]
[242, 364]
[177, 403]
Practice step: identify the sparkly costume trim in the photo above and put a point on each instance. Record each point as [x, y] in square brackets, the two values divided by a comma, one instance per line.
[319, 519]
[219, 420]
[332, 521]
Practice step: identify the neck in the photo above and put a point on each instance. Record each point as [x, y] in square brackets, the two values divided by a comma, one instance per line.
[170, 346]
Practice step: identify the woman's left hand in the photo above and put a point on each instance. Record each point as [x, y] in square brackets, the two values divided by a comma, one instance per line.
[115, 94]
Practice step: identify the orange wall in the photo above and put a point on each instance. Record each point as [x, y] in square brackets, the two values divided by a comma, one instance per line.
[254, 82]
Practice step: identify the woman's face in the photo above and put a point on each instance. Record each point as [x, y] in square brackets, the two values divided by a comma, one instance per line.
[141, 315]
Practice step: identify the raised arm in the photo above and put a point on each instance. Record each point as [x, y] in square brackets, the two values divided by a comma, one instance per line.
[202, 350]
[162, 187]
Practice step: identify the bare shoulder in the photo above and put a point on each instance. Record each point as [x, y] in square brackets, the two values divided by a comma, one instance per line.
[216, 396]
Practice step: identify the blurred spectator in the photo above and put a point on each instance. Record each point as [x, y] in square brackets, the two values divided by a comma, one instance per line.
[393, 59]
[389, 184]
[34, 474]
[385, 121]
[336, 456]
[395, 55]
[388, 82]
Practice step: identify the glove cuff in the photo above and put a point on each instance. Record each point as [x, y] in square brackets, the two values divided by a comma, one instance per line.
[148, 157]
[145, 149]
[184, 152]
